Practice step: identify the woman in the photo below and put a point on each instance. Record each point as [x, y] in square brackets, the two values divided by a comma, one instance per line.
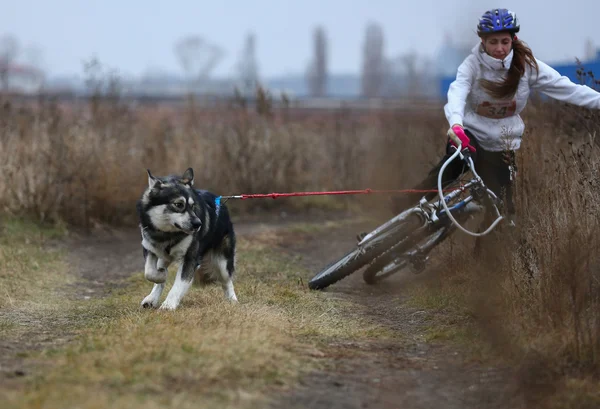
[492, 87]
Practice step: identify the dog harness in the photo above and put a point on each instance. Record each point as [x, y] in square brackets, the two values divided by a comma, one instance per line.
[217, 204]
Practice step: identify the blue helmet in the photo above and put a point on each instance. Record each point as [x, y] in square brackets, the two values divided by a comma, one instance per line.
[498, 20]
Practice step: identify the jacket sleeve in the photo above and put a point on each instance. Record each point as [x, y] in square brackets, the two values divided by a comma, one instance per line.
[458, 91]
[557, 86]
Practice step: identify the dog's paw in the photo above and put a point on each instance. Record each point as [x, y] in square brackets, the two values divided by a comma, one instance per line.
[150, 302]
[232, 298]
[157, 276]
[168, 306]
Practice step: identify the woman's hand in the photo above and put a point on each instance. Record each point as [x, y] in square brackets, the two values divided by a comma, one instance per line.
[457, 135]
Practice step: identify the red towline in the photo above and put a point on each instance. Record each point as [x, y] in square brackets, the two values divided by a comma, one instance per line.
[335, 192]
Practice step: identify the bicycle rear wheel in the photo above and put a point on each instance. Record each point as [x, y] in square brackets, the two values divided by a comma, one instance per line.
[414, 250]
[361, 256]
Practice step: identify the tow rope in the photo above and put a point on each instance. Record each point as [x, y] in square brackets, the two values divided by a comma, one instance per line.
[325, 193]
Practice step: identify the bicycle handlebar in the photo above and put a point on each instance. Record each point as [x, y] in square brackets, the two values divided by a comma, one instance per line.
[472, 167]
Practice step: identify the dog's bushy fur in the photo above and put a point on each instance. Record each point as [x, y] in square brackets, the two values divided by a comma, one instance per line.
[181, 224]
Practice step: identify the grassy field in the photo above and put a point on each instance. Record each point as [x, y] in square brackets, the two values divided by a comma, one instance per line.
[209, 353]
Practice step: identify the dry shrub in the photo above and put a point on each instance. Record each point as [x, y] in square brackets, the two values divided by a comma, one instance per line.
[535, 289]
[560, 244]
[64, 167]
[85, 163]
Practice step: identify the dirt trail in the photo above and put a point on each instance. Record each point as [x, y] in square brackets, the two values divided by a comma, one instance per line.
[377, 374]
[408, 374]
[99, 263]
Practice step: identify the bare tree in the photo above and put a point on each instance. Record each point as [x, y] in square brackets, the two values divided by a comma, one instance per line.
[374, 65]
[317, 70]
[9, 49]
[247, 66]
[198, 58]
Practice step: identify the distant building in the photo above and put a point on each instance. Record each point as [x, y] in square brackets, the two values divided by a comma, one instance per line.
[579, 73]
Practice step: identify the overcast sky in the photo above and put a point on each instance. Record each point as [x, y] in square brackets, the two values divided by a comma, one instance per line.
[135, 35]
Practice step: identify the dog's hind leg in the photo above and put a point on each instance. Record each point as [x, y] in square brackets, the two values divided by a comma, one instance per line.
[226, 269]
[183, 282]
[204, 274]
[152, 299]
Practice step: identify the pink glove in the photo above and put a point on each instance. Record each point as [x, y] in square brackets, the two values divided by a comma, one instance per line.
[456, 133]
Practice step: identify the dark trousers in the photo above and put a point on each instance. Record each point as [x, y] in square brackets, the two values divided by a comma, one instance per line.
[497, 169]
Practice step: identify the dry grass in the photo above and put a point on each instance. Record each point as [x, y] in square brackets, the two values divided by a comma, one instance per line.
[209, 353]
[23, 254]
[533, 293]
[86, 164]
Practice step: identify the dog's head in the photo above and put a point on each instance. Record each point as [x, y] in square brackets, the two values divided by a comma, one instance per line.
[170, 203]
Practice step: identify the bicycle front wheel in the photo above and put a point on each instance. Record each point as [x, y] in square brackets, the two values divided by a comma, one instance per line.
[360, 256]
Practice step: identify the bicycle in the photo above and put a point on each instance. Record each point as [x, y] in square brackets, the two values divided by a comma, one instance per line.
[408, 238]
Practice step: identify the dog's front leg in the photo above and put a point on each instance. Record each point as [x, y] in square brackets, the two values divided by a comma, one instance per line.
[152, 299]
[162, 265]
[150, 269]
[183, 281]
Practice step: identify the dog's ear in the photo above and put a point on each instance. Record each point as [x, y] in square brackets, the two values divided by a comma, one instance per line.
[152, 181]
[188, 177]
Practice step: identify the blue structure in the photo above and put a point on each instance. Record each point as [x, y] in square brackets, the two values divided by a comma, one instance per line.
[568, 70]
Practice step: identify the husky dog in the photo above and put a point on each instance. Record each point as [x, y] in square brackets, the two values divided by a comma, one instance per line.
[184, 225]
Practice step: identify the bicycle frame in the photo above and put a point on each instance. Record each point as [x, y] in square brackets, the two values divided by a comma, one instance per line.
[432, 213]
[401, 244]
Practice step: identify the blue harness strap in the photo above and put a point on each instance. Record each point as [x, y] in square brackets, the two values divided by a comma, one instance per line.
[218, 204]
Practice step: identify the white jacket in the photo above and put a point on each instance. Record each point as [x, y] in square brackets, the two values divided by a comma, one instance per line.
[495, 123]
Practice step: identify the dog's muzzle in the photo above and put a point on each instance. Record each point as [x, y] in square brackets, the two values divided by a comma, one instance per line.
[196, 225]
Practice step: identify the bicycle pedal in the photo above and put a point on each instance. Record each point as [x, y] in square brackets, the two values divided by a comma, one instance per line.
[418, 263]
